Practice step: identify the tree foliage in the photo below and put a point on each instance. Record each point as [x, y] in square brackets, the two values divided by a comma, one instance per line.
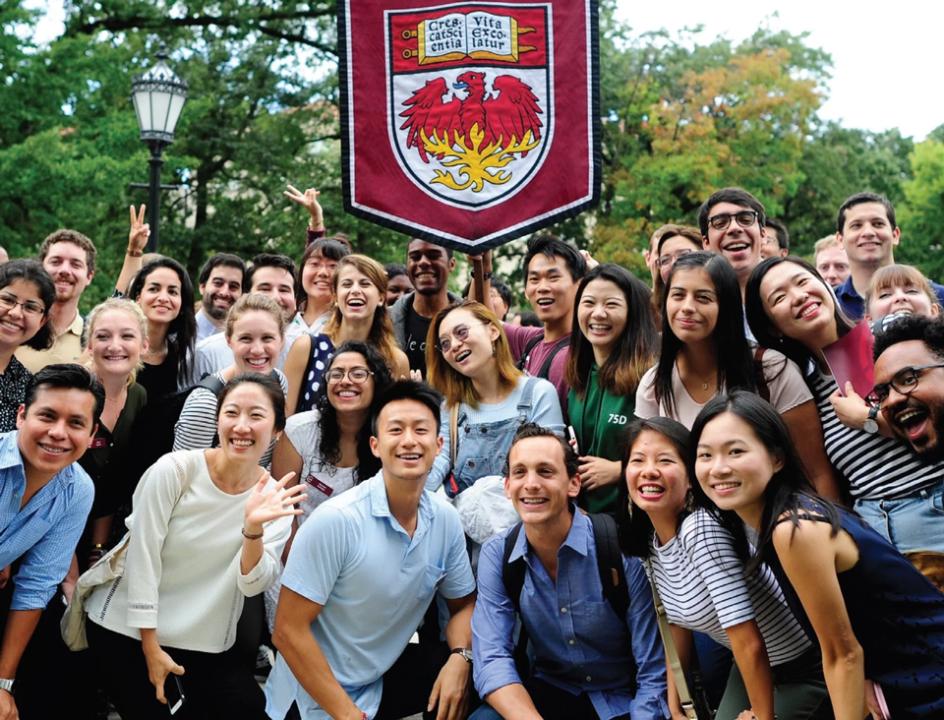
[681, 114]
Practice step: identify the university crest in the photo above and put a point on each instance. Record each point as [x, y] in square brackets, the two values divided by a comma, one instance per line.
[488, 128]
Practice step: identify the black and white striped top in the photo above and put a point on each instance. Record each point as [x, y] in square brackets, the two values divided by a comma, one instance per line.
[874, 466]
[196, 426]
[704, 588]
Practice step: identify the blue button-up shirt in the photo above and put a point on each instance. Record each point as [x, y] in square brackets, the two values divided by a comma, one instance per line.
[853, 305]
[374, 581]
[580, 644]
[45, 531]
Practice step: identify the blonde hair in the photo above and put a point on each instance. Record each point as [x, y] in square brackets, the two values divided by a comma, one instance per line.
[456, 387]
[381, 334]
[120, 305]
[252, 302]
[824, 243]
[898, 276]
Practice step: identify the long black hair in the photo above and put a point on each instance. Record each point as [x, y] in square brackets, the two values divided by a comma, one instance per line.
[329, 428]
[635, 350]
[635, 527]
[733, 358]
[788, 494]
[182, 332]
[763, 328]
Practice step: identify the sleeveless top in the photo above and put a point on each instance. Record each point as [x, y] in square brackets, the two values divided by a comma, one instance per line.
[321, 351]
[897, 616]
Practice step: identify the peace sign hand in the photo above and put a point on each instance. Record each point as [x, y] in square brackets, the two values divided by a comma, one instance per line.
[139, 233]
[269, 502]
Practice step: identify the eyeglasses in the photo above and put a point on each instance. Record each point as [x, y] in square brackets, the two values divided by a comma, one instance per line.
[459, 332]
[744, 218]
[903, 382]
[30, 307]
[667, 260]
[356, 374]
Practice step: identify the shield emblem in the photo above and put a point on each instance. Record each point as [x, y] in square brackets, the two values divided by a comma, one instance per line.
[466, 130]
[489, 129]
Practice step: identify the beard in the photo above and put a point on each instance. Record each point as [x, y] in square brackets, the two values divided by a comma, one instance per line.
[215, 312]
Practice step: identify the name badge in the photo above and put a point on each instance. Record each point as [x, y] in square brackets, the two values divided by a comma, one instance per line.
[318, 485]
[98, 442]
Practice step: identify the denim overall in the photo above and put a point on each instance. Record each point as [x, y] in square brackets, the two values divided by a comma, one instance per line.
[483, 447]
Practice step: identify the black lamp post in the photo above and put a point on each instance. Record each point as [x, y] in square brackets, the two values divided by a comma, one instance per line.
[158, 96]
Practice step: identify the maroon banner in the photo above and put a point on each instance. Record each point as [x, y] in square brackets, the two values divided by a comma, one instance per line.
[469, 123]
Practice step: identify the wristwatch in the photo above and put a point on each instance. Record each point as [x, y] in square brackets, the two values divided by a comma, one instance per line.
[871, 425]
[6, 684]
[464, 652]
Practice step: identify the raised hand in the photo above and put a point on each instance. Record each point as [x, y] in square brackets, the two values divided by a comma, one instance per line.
[309, 201]
[268, 502]
[139, 233]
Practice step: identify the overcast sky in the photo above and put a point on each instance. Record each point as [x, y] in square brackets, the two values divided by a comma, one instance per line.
[887, 61]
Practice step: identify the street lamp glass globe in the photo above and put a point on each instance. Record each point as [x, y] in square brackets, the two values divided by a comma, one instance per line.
[159, 96]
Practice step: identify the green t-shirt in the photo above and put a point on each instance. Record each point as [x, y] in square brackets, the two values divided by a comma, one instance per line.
[599, 419]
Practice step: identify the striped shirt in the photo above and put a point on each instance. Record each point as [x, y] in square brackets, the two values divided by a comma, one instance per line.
[874, 466]
[704, 588]
[196, 426]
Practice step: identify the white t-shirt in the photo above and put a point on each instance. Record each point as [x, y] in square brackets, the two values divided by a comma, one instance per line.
[321, 479]
[182, 572]
[703, 587]
[784, 382]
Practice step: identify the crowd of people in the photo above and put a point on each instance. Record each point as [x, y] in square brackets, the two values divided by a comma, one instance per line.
[334, 489]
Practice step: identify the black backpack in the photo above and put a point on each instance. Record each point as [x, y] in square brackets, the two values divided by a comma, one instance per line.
[609, 565]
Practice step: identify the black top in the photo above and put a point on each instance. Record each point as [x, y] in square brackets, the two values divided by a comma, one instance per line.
[416, 328]
[160, 380]
[13, 384]
[108, 463]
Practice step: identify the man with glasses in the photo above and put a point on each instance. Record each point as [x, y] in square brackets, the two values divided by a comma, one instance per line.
[909, 391]
[733, 224]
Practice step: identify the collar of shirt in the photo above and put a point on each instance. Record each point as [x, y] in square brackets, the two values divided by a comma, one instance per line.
[577, 537]
[380, 508]
[77, 325]
[847, 290]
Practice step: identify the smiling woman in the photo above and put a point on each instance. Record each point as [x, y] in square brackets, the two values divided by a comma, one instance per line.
[360, 313]
[791, 309]
[487, 397]
[254, 331]
[26, 294]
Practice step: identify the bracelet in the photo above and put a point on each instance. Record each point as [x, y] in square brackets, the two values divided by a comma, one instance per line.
[134, 253]
[251, 537]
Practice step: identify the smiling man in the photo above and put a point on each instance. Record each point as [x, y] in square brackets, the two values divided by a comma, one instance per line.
[45, 498]
[428, 267]
[733, 225]
[866, 229]
[221, 284]
[362, 572]
[596, 648]
[909, 390]
[69, 258]
[552, 270]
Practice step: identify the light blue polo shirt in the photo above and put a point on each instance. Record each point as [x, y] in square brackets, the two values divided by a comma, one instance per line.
[375, 583]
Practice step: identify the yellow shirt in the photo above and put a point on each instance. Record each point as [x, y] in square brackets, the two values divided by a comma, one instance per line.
[67, 348]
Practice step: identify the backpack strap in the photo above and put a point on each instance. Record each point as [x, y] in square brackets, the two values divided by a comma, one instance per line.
[545, 370]
[531, 344]
[212, 383]
[610, 562]
[513, 572]
[762, 388]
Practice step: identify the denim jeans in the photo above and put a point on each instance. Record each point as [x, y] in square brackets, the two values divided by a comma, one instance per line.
[913, 522]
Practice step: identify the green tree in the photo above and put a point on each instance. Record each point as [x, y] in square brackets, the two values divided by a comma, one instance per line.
[922, 216]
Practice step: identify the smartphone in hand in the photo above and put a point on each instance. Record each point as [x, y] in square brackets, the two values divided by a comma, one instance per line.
[174, 693]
